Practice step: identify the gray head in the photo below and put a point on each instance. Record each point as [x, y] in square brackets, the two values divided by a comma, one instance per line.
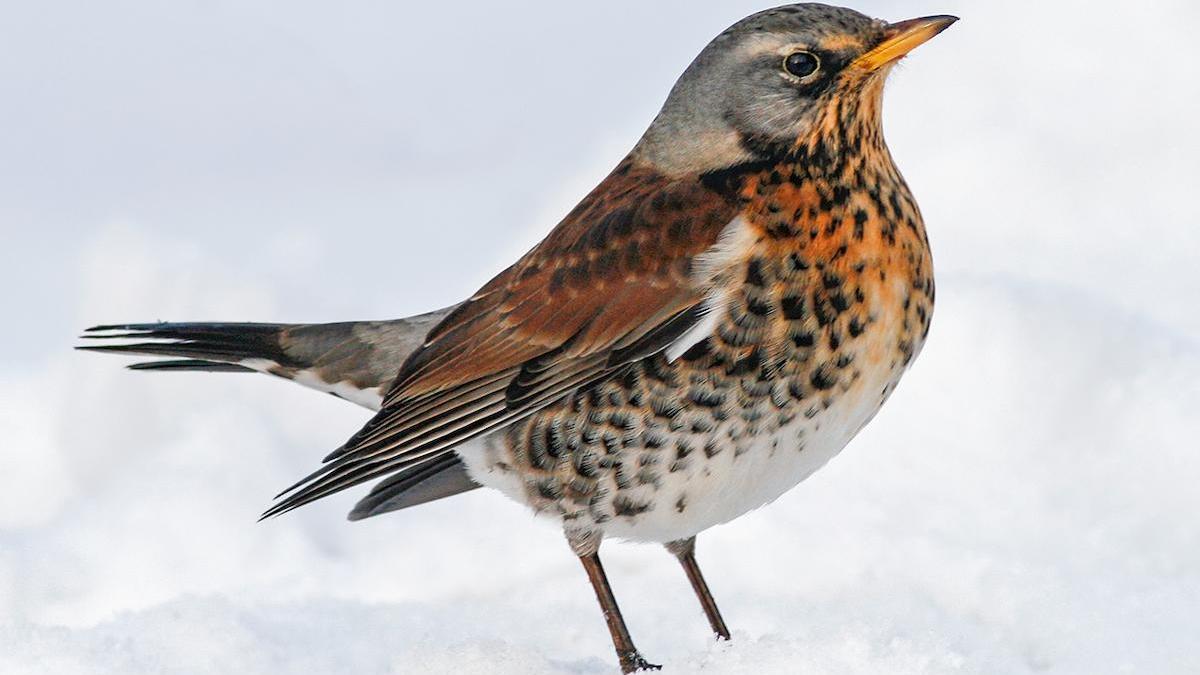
[765, 82]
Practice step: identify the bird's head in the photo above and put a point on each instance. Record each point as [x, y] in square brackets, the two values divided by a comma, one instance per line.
[777, 78]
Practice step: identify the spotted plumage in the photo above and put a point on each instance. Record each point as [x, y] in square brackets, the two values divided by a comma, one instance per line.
[815, 326]
[709, 326]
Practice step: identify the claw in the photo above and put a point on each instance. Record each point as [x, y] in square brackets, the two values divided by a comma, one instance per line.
[633, 662]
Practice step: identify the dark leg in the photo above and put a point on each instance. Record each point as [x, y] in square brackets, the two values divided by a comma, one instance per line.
[685, 550]
[631, 660]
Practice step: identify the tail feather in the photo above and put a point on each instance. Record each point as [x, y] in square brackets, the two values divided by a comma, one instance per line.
[215, 342]
[356, 361]
[191, 365]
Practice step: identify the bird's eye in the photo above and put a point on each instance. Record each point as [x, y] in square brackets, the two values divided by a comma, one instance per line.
[801, 64]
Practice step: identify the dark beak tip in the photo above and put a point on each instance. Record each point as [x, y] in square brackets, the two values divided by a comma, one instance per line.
[933, 24]
[940, 21]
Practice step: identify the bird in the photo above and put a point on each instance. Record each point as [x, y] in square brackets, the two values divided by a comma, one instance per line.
[710, 325]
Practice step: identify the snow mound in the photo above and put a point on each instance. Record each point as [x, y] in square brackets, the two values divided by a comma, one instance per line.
[1024, 504]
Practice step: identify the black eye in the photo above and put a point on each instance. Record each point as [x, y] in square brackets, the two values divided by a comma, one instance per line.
[801, 64]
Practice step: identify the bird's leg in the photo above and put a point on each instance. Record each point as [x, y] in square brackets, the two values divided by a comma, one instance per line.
[685, 551]
[586, 547]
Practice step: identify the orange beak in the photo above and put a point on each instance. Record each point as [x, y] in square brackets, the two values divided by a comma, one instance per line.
[901, 38]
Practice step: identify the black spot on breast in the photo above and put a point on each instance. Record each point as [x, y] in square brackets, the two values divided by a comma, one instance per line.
[652, 440]
[648, 476]
[822, 378]
[745, 366]
[831, 280]
[665, 408]
[860, 221]
[621, 476]
[841, 194]
[611, 443]
[804, 340]
[855, 328]
[758, 307]
[821, 310]
[781, 229]
[580, 490]
[706, 399]
[792, 307]
[624, 506]
[548, 488]
[585, 464]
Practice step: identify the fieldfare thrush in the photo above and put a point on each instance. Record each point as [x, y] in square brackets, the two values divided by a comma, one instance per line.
[708, 327]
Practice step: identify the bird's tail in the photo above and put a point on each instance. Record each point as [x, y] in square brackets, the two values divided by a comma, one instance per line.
[214, 347]
[356, 361]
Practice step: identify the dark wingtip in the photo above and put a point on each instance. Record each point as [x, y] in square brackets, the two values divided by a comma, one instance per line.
[341, 450]
[271, 513]
[279, 509]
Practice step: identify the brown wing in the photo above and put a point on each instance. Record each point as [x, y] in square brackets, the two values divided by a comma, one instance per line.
[609, 285]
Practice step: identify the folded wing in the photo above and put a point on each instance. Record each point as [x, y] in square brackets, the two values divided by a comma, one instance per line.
[611, 284]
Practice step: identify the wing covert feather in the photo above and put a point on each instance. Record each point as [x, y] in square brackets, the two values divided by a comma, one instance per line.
[611, 283]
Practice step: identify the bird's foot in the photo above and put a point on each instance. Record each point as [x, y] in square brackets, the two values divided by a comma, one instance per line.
[633, 662]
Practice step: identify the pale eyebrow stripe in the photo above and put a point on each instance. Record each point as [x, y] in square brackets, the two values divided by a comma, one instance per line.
[837, 43]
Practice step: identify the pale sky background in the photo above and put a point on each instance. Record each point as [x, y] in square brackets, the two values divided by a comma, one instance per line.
[1026, 503]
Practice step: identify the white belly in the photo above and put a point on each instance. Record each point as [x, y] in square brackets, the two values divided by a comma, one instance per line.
[728, 486]
[724, 486]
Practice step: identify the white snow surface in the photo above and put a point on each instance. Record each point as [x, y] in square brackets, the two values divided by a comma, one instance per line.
[1027, 502]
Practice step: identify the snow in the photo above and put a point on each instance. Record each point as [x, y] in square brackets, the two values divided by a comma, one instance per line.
[1025, 503]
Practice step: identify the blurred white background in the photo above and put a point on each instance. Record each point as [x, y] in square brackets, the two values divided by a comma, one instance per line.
[1027, 502]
